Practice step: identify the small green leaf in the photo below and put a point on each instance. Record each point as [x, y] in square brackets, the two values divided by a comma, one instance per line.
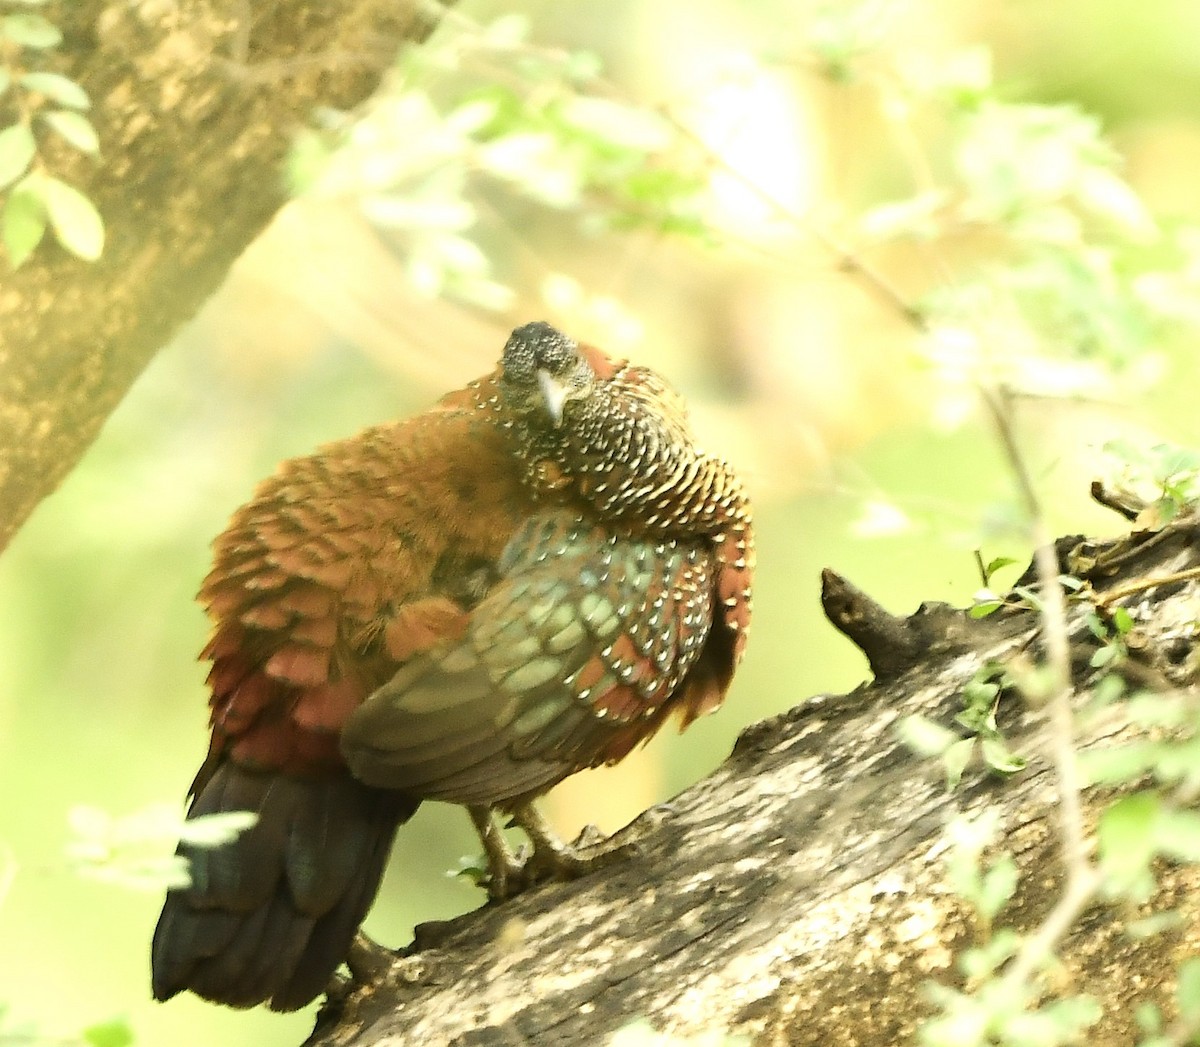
[980, 692]
[471, 116]
[114, 1033]
[973, 718]
[583, 66]
[30, 31]
[1187, 994]
[1178, 760]
[1178, 834]
[308, 158]
[982, 610]
[999, 884]
[473, 868]
[955, 760]
[1148, 1017]
[1157, 710]
[1096, 626]
[1029, 596]
[964, 1026]
[77, 224]
[983, 961]
[1118, 763]
[23, 223]
[1000, 758]
[1173, 459]
[925, 736]
[507, 31]
[998, 562]
[57, 88]
[17, 150]
[616, 124]
[1127, 836]
[1166, 508]
[1157, 923]
[75, 128]
[1123, 620]
[1112, 199]
[1107, 690]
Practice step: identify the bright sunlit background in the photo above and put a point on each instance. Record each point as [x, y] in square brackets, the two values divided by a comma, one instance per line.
[860, 438]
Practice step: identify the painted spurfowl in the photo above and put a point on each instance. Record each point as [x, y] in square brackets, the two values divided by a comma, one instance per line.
[467, 606]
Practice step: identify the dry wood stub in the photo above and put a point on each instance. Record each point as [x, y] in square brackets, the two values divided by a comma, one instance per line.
[797, 894]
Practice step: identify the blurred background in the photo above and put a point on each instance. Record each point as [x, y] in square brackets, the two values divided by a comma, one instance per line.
[859, 435]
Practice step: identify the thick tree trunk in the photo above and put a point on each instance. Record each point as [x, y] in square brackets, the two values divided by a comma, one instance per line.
[798, 895]
[195, 103]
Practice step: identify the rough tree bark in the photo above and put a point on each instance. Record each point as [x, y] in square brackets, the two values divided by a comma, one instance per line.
[797, 895]
[195, 103]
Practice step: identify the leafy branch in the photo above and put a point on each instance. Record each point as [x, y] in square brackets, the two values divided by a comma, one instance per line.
[37, 101]
[1043, 179]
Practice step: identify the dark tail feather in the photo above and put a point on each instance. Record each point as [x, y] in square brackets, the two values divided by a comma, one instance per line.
[269, 917]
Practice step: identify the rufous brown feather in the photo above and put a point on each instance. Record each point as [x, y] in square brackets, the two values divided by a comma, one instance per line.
[470, 605]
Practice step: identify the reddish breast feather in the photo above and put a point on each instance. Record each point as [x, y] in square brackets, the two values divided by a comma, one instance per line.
[470, 605]
[325, 582]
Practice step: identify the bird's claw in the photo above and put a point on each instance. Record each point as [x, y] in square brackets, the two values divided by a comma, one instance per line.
[553, 859]
[367, 959]
[507, 874]
[510, 873]
[506, 868]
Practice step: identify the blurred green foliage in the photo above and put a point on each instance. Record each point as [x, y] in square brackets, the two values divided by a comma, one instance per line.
[35, 100]
[101, 700]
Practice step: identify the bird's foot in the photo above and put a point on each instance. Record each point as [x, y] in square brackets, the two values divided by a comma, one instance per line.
[513, 872]
[553, 859]
[510, 872]
[370, 964]
[367, 959]
[506, 868]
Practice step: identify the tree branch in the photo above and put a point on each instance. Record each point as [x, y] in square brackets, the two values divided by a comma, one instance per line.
[797, 895]
[193, 137]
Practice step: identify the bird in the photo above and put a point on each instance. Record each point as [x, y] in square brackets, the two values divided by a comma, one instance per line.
[468, 606]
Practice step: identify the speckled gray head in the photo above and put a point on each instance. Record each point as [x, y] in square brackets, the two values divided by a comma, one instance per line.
[542, 370]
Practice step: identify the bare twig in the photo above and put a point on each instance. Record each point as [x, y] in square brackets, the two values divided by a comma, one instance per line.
[1078, 892]
[1118, 501]
[280, 70]
[1142, 584]
[1083, 879]
[1141, 545]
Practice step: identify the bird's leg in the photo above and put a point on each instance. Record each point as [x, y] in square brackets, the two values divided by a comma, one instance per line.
[367, 959]
[509, 873]
[565, 861]
[505, 869]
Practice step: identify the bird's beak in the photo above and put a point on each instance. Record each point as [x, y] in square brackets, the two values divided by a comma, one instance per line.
[554, 395]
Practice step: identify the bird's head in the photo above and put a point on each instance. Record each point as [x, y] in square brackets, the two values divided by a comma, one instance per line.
[543, 370]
